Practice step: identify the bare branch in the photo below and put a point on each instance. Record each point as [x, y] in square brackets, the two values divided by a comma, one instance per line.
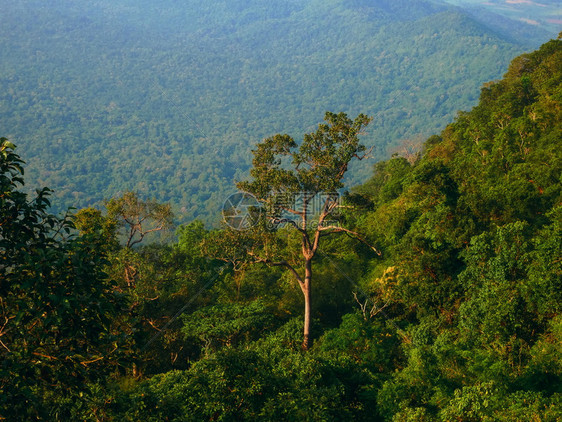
[153, 325]
[374, 309]
[4, 346]
[365, 155]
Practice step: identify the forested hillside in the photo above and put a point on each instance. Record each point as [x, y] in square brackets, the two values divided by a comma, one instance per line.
[168, 98]
[436, 293]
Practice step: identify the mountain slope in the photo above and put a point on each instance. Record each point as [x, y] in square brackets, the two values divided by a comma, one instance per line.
[167, 99]
[470, 238]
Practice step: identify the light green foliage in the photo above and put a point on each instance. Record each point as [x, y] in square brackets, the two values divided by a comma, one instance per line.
[486, 402]
[473, 256]
[91, 221]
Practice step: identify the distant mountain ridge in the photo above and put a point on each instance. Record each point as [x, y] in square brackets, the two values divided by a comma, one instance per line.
[524, 21]
[167, 99]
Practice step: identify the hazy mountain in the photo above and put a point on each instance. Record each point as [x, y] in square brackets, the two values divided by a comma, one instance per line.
[524, 20]
[167, 98]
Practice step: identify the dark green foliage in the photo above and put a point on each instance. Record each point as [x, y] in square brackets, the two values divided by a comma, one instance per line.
[368, 341]
[496, 307]
[227, 325]
[270, 381]
[545, 269]
[57, 305]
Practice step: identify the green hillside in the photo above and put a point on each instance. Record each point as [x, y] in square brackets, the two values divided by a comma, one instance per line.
[168, 98]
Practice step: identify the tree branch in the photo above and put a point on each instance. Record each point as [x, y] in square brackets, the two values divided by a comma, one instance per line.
[366, 154]
[292, 211]
[279, 264]
[336, 229]
[278, 221]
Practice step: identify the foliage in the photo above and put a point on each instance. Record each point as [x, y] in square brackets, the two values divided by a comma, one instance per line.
[226, 325]
[472, 244]
[268, 382]
[297, 187]
[458, 316]
[56, 303]
[90, 221]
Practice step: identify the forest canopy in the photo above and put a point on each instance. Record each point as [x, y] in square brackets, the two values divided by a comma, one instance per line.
[457, 318]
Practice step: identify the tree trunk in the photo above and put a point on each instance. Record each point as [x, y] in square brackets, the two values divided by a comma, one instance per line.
[306, 342]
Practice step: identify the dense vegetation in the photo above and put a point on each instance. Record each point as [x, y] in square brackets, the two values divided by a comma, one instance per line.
[167, 98]
[458, 318]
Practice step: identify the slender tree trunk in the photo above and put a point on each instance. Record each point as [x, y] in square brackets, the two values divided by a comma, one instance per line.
[306, 342]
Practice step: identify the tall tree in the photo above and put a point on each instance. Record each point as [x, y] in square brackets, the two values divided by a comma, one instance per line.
[297, 186]
[139, 218]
